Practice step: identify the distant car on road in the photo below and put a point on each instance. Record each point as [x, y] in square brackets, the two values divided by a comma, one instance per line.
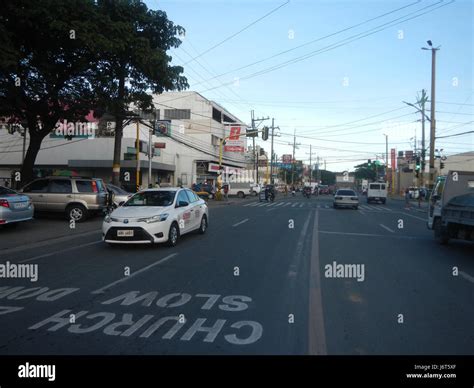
[323, 189]
[14, 207]
[156, 216]
[346, 198]
[77, 197]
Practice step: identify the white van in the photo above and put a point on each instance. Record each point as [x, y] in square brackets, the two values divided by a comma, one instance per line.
[377, 192]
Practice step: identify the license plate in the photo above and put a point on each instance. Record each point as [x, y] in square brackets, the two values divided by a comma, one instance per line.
[21, 205]
[124, 233]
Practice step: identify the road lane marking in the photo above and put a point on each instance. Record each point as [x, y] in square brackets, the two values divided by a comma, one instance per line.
[411, 215]
[386, 208]
[466, 276]
[250, 204]
[60, 251]
[101, 290]
[273, 208]
[296, 203]
[317, 333]
[301, 205]
[271, 204]
[375, 235]
[47, 242]
[362, 212]
[387, 228]
[240, 223]
[279, 204]
[286, 204]
[254, 204]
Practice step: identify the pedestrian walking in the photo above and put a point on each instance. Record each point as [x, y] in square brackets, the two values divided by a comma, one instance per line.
[226, 192]
[286, 190]
[407, 198]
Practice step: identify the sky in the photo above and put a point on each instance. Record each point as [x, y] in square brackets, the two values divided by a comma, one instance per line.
[358, 62]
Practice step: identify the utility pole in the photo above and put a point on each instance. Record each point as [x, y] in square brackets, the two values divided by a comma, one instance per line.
[433, 108]
[310, 165]
[138, 155]
[423, 149]
[293, 167]
[254, 133]
[150, 154]
[271, 153]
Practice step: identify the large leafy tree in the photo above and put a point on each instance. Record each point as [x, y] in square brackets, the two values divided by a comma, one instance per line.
[62, 58]
[134, 61]
[44, 66]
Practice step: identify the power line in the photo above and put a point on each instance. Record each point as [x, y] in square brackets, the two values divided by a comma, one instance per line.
[317, 39]
[343, 42]
[237, 33]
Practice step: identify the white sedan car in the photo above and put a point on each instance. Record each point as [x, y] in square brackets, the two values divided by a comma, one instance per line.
[346, 198]
[156, 216]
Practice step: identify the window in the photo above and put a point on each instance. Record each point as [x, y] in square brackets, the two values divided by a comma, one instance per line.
[383, 187]
[374, 187]
[6, 191]
[217, 115]
[152, 198]
[60, 186]
[182, 197]
[346, 192]
[39, 186]
[191, 197]
[84, 186]
[177, 114]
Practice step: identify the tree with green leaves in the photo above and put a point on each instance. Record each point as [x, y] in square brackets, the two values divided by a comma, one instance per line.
[61, 59]
[134, 61]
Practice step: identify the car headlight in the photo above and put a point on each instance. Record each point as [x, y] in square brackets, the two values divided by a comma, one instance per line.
[159, 218]
[107, 219]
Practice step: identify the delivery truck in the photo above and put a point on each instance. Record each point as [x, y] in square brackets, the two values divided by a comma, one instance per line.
[451, 211]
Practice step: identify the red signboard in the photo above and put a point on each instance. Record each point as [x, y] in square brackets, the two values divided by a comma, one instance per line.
[235, 142]
[160, 145]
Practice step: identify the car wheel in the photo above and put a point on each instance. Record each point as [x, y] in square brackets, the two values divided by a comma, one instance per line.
[173, 235]
[240, 194]
[78, 213]
[440, 234]
[383, 201]
[203, 227]
[356, 207]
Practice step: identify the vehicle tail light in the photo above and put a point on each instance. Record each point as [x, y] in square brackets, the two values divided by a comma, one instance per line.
[3, 222]
[94, 187]
[4, 203]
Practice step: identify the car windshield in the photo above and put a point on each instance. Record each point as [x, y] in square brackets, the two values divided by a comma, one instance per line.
[346, 193]
[152, 198]
[6, 191]
[117, 190]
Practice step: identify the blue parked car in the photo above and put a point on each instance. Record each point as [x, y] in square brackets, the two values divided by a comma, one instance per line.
[14, 207]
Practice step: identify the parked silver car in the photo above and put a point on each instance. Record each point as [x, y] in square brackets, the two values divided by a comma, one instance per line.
[77, 197]
[14, 207]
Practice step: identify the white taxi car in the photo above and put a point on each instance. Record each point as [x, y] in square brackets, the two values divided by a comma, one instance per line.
[156, 216]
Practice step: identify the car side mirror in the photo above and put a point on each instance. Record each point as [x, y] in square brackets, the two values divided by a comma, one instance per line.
[182, 204]
[435, 197]
[121, 203]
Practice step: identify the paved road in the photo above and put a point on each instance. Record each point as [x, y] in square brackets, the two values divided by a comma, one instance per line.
[291, 277]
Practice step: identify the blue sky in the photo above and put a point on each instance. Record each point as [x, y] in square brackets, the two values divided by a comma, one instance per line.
[329, 98]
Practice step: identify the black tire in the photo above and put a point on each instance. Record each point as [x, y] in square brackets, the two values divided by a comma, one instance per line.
[356, 207]
[241, 194]
[334, 206]
[76, 212]
[384, 201]
[173, 235]
[440, 234]
[368, 200]
[203, 226]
